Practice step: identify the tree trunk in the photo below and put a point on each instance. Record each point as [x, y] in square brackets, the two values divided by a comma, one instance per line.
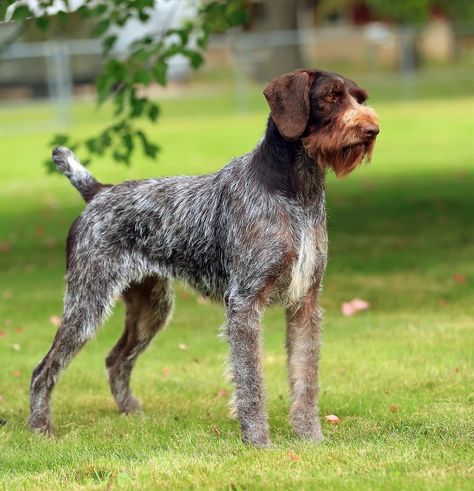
[275, 59]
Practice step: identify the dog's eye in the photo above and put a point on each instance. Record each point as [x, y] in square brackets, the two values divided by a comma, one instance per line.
[361, 100]
[333, 97]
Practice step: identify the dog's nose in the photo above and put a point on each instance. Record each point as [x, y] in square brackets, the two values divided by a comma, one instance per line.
[371, 130]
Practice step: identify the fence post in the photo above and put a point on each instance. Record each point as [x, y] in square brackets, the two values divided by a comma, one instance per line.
[59, 79]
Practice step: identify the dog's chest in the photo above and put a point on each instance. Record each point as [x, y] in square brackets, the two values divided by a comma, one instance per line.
[310, 259]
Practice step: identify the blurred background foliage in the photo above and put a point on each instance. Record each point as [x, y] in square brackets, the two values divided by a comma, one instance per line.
[139, 41]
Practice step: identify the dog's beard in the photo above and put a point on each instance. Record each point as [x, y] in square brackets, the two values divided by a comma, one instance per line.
[342, 160]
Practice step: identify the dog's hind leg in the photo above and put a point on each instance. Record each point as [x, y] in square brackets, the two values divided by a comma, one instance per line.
[88, 298]
[148, 305]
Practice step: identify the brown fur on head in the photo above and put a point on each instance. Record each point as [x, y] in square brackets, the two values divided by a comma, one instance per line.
[327, 112]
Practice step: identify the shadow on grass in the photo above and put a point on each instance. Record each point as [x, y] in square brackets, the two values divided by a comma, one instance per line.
[375, 227]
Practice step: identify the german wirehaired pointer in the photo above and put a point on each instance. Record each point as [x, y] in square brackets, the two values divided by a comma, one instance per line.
[249, 235]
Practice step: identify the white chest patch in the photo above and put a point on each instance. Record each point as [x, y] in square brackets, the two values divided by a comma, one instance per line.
[304, 266]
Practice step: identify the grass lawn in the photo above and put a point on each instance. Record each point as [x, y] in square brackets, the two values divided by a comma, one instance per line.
[399, 376]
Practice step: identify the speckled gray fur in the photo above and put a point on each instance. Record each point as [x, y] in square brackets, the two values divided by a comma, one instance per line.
[249, 235]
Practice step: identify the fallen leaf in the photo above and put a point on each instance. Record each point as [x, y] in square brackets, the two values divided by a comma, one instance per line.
[7, 294]
[182, 347]
[166, 371]
[456, 370]
[459, 278]
[5, 246]
[442, 302]
[394, 408]
[2, 334]
[8, 322]
[19, 329]
[196, 361]
[216, 430]
[2, 398]
[55, 320]
[16, 373]
[223, 393]
[353, 306]
[16, 347]
[293, 456]
[332, 419]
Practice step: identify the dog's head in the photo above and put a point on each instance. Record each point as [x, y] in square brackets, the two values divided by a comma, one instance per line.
[327, 112]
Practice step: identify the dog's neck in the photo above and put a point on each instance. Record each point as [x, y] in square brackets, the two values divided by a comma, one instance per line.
[285, 167]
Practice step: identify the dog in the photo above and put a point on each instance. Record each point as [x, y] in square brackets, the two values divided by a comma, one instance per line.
[251, 234]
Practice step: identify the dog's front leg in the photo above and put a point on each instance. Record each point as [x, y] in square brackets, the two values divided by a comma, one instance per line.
[245, 339]
[303, 340]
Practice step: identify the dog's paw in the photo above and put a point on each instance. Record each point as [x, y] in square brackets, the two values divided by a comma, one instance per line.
[259, 438]
[41, 423]
[308, 429]
[130, 405]
[315, 435]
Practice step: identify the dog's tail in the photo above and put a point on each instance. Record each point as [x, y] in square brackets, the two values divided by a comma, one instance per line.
[67, 163]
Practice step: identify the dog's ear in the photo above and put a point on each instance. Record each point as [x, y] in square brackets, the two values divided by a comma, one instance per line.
[288, 98]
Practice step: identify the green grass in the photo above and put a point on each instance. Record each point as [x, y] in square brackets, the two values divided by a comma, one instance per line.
[399, 230]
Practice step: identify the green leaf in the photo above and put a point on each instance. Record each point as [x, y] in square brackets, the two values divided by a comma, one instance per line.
[128, 142]
[104, 85]
[63, 16]
[194, 57]
[42, 22]
[143, 16]
[102, 27]
[91, 145]
[138, 106]
[183, 34]
[143, 76]
[120, 157]
[50, 167]
[60, 140]
[22, 12]
[100, 9]
[122, 19]
[141, 56]
[153, 112]
[203, 40]
[159, 72]
[150, 149]
[120, 98]
[84, 12]
[109, 42]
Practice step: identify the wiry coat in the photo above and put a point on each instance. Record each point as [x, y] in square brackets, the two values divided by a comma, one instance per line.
[250, 234]
[234, 229]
